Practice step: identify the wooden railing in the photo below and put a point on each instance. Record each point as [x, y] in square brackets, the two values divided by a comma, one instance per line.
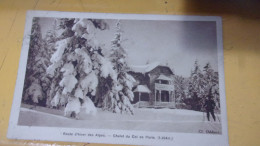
[167, 87]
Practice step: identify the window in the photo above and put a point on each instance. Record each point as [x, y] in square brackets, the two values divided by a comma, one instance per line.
[162, 82]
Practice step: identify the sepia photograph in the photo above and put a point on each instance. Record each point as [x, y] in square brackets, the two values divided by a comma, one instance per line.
[120, 75]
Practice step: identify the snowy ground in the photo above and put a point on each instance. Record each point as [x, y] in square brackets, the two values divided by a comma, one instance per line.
[146, 119]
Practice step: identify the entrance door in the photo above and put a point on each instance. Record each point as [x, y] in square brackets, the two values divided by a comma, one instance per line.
[157, 95]
[165, 97]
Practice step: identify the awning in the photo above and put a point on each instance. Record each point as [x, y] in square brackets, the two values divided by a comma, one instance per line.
[142, 89]
[163, 77]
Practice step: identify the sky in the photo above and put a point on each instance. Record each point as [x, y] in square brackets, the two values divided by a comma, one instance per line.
[176, 43]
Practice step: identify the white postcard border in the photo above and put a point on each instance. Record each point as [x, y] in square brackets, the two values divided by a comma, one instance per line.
[57, 134]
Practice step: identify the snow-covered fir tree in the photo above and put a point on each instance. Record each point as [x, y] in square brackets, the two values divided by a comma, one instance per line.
[50, 40]
[78, 65]
[211, 78]
[119, 96]
[202, 84]
[196, 88]
[36, 66]
[180, 85]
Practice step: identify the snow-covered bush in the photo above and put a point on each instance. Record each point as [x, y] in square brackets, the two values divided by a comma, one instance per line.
[34, 93]
[89, 106]
[73, 105]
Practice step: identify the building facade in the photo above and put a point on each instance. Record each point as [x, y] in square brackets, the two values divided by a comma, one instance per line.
[154, 86]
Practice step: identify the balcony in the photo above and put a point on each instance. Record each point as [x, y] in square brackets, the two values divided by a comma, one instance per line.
[165, 87]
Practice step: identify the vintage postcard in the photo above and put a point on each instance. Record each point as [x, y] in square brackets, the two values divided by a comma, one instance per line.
[121, 79]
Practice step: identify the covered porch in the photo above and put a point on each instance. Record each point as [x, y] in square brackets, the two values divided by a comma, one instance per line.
[142, 96]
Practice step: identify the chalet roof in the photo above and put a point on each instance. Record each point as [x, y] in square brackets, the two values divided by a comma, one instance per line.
[163, 77]
[142, 89]
[145, 68]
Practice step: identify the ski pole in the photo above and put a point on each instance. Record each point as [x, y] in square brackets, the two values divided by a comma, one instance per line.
[203, 111]
[218, 117]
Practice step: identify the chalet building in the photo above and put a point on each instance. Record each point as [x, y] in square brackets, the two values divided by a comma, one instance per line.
[154, 86]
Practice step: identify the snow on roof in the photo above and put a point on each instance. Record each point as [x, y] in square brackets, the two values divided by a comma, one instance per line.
[145, 68]
[163, 77]
[142, 89]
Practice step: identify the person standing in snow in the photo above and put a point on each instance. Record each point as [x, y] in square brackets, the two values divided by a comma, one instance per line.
[210, 106]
